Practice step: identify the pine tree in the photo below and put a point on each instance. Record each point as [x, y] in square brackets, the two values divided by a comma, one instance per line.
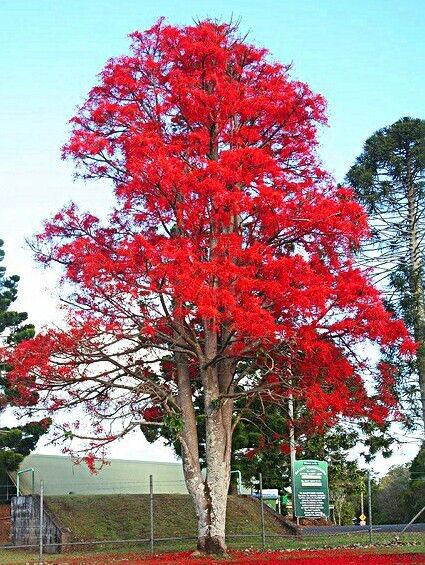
[19, 441]
[389, 179]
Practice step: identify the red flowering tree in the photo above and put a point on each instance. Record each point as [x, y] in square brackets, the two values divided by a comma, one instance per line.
[225, 269]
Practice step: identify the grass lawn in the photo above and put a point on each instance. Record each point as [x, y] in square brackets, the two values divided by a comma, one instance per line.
[112, 517]
[288, 549]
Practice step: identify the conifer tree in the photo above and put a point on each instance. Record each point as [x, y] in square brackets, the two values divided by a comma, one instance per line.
[18, 441]
[389, 180]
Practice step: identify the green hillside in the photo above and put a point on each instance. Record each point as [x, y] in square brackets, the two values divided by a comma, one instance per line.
[114, 517]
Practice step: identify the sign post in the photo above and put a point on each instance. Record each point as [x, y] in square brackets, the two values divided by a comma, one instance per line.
[311, 491]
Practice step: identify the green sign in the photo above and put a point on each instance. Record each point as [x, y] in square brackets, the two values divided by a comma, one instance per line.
[311, 489]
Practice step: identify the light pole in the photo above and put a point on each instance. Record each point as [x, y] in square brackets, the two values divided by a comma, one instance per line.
[292, 445]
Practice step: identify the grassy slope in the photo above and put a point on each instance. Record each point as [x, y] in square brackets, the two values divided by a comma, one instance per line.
[116, 517]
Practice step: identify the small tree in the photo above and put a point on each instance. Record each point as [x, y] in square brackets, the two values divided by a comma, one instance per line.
[19, 441]
[416, 495]
[389, 179]
[229, 251]
[390, 501]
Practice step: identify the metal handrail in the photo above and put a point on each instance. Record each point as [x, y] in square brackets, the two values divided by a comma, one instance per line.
[18, 476]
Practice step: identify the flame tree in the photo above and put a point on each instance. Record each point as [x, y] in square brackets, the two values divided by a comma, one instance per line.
[225, 270]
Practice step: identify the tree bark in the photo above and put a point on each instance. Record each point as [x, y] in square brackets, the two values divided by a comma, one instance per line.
[218, 457]
[216, 379]
[209, 494]
[190, 443]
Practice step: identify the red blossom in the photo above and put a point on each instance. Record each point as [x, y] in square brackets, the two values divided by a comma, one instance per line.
[152, 414]
[224, 221]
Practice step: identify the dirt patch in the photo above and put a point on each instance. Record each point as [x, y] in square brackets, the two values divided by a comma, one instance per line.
[4, 523]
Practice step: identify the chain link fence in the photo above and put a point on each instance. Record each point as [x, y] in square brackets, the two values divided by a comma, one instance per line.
[36, 528]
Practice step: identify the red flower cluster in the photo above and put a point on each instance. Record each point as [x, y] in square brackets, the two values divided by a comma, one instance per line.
[318, 557]
[224, 221]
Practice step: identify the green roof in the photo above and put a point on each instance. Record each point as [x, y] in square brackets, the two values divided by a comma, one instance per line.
[61, 475]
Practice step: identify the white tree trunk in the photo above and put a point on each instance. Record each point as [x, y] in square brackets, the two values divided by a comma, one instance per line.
[216, 382]
[218, 441]
[209, 494]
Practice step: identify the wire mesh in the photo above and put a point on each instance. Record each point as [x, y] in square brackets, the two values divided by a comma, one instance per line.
[107, 522]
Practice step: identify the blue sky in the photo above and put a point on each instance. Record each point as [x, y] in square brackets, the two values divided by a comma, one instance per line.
[365, 56]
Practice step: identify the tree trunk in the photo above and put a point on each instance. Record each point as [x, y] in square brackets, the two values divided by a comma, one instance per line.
[190, 444]
[218, 441]
[217, 381]
[209, 494]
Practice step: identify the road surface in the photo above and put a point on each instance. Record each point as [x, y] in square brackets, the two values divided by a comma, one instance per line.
[343, 529]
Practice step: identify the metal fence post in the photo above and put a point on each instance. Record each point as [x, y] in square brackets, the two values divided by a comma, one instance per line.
[412, 520]
[263, 530]
[41, 521]
[369, 498]
[151, 512]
